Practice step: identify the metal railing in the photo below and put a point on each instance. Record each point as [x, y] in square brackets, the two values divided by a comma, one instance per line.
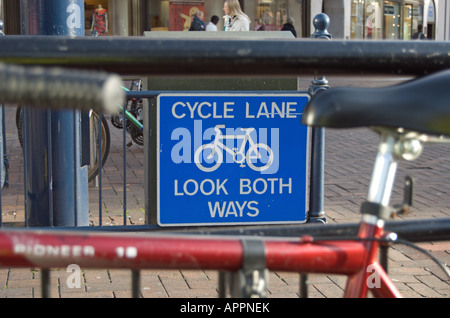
[162, 57]
[169, 57]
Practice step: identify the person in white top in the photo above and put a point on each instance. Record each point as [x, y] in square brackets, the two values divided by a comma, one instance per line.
[212, 25]
[235, 19]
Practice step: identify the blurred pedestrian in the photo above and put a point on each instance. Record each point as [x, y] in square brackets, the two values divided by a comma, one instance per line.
[197, 21]
[419, 35]
[289, 26]
[212, 25]
[259, 25]
[235, 18]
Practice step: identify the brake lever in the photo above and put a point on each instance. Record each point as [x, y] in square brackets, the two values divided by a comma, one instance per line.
[408, 192]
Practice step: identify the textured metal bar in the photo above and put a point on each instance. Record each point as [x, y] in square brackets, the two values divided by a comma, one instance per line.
[159, 56]
[412, 230]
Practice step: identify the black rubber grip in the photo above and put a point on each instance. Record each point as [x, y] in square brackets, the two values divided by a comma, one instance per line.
[60, 88]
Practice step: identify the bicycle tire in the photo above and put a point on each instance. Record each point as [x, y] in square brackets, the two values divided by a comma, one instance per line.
[93, 169]
[106, 136]
[266, 166]
[19, 124]
[198, 158]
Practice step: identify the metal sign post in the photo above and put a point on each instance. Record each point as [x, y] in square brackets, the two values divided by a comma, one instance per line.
[56, 182]
[232, 158]
[3, 162]
[316, 209]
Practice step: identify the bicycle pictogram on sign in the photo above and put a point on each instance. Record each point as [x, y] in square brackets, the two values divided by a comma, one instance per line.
[259, 156]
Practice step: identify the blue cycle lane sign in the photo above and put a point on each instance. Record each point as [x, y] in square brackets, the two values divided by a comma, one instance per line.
[226, 158]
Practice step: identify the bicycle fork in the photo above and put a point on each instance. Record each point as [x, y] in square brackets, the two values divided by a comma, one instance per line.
[393, 146]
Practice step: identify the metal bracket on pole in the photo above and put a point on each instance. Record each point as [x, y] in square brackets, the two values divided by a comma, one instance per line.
[316, 207]
[251, 281]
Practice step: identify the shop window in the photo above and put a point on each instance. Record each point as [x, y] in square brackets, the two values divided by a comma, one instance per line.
[430, 31]
[417, 18]
[407, 22]
[392, 20]
[271, 14]
[357, 19]
[89, 7]
[180, 14]
[366, 19]
[373, 20]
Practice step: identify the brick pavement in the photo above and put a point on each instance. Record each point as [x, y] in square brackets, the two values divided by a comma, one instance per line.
[349, 159]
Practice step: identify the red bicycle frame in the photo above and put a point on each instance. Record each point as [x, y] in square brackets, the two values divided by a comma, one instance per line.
[371, 275]
[54, 249]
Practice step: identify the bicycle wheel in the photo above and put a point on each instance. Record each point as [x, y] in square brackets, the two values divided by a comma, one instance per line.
[263, 155]
[19, 124]
[94, 166]
[208, 158]
[93, 123]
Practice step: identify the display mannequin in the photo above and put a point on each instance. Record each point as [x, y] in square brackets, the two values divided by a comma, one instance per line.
[99, 21]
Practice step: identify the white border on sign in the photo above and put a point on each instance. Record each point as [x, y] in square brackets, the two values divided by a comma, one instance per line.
[158, 159]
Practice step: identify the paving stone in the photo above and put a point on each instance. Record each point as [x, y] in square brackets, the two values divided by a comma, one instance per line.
[348, 165]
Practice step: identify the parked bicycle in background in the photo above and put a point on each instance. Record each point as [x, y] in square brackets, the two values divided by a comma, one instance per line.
[134, 122]
[134, 113]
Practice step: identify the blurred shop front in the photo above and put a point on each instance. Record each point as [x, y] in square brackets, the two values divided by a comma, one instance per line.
[350, 19]
[133, 17]
[123, 18]
[175, 15]
[390, 20]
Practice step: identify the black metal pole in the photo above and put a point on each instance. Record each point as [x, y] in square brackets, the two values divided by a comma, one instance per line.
[316, 213]
[150, 56]
[303, 285]
[56, 181]
[45, 283]
[135, 284]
